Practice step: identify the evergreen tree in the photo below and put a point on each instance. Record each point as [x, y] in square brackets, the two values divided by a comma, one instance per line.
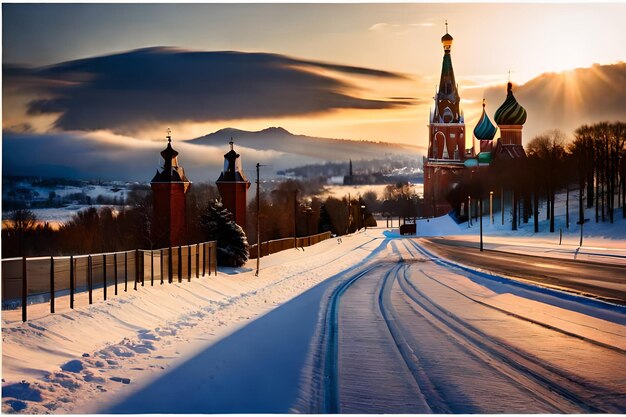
[232, 243]
[325, 224]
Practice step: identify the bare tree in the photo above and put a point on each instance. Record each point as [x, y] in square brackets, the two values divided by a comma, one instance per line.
[548, 150]
[23, 221]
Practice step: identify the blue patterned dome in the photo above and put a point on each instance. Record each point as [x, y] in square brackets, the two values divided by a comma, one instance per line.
[484, 130]
[510, 112]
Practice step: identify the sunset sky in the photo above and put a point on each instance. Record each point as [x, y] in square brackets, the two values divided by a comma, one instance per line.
[355, 71]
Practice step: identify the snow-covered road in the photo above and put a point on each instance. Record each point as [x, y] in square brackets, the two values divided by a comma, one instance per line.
[376, 324]
[418, 336]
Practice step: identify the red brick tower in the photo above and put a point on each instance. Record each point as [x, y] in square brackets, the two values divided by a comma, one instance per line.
[446, 142]
[169, 188]
[233, 187]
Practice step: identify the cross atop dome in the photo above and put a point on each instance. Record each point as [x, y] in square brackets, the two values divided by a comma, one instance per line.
[446, 40]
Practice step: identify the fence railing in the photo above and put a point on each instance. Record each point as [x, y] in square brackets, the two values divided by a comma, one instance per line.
[43, 279]
[273, 246]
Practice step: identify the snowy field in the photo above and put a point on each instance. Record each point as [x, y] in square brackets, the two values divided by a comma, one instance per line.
[601, 241]
[243, 344]
[340, 191]
[57, 216]
[61, 215]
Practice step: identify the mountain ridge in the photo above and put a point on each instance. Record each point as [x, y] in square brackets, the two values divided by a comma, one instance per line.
[281, 132]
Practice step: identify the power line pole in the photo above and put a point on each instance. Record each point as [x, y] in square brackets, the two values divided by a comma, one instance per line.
[480, 202]
[258, 226]
[295, 222]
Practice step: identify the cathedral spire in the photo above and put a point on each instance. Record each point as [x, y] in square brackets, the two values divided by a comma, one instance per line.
[447, 98]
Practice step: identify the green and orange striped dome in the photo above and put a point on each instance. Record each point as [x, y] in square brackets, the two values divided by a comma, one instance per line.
[510, 112]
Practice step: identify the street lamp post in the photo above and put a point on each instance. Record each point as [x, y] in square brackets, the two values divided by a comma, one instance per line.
[258, 226]
[349, 214]
[502, 203]
[480, 202]
[469, 211]
[491, 206]
[308, 212]
[363, 216]
[295, 219]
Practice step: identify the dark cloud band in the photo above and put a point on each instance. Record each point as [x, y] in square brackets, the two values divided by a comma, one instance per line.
[126, 91]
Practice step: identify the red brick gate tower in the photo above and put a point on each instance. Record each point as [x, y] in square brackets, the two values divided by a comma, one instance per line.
[169, 188]
[233, 187]
[446, 143]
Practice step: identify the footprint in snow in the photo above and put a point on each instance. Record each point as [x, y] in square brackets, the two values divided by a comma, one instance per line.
[89, 377]
[34, 326]
[119, 379]
[22, 391]
[73, 366]
[117, 351]
[17, 405]
[148, 336]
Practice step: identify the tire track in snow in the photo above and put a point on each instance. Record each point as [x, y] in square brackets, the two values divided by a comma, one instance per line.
[330, 396]
[581, 393]
[452, 267]
[429, 393]
[439, 396]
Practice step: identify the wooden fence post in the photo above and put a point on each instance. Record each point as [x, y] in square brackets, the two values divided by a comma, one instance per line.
[142, 271]
[136, 268]
[72, 281]
[204, 260]
[104, 275]
[125, 271]
[115, 270]
[24, 288]
[51, 284]
[189, 263]
[215, 250]
[161, 262]
[197, 260]
[180, 263]
[151, 268]
[170, 274]
[89, 279]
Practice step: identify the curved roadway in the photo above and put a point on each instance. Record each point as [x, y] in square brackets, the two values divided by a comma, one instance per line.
[598, 280]
[413, 337]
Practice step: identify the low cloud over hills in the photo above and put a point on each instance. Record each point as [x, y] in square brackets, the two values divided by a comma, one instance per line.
[95, 157]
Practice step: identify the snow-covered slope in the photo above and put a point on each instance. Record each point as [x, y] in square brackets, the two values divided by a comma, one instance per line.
[94, 351]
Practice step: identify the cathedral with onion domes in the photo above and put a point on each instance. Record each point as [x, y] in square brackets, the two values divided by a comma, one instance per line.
[448, 161]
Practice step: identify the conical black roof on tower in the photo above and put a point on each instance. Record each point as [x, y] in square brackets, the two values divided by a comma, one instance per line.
[232, 170]
[171, 171]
